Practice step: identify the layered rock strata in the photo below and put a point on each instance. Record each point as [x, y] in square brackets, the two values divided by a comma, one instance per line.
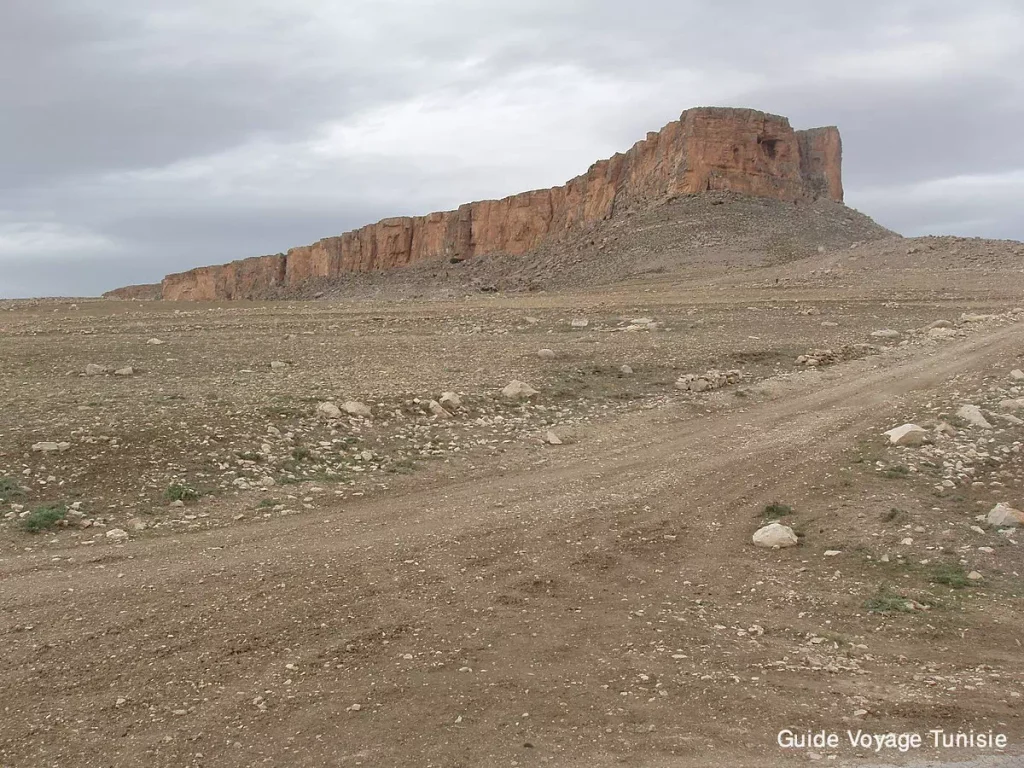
[707, 149]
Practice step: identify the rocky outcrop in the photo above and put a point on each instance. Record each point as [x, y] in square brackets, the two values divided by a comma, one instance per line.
[145, 292]
[707, 149]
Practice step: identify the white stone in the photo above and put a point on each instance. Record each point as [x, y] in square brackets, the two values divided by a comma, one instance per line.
[886, 333]
[775, 535]
[126, 371]
[908, 434]
[117, 534]
[551, 438]
[1017, 374]
[277, 365]
[580, 322]
[546, 354]
[626, 370]
[155, 342]
[95, 370]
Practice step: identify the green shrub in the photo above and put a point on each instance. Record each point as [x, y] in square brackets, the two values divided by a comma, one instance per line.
[179, 492]
[775, 510]
[42, 518]
[887, 600]
[950, 574]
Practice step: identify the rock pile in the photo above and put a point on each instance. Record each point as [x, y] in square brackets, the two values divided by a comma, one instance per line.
[713, 379]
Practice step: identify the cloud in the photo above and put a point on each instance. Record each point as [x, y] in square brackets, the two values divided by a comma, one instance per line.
[144, 138]
[48, 239]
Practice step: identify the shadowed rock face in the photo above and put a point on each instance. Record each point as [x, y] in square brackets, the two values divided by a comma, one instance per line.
[707, 149]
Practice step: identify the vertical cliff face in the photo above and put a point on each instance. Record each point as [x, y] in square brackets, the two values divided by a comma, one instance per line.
[707, 149]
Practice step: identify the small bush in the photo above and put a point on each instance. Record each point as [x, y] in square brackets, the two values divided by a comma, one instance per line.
[950, 574]
[250, 456]
[9, 489]
[268, 503]
[179, 492]
[893, 514]
[895, 472]
[302, 453]
[887, 600]
[775, 510]
[42, 518]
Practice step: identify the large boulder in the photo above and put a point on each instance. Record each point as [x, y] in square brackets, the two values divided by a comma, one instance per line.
[1005, 516]
[775, 535]
[518, 390]
[355, 408]
[972, 415]
[329, 411]
[908, 434]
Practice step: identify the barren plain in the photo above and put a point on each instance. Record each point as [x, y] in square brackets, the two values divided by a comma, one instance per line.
[204, 564]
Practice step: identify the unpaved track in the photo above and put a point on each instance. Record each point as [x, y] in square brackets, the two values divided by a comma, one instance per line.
[541, 579]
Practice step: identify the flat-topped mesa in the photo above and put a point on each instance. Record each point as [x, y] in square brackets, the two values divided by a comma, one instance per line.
[707, 149]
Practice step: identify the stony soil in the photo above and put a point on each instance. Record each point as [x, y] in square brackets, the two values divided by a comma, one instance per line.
[223, 575]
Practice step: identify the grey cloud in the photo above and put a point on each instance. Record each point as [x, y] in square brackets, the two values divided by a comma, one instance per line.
[110, 105]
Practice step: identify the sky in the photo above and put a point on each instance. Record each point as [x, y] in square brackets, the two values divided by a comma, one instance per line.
[142, 138]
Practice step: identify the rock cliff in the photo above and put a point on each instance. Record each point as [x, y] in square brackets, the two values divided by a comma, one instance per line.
[707, 149]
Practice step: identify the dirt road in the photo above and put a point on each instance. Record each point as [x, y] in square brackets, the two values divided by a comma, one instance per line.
[598, 604]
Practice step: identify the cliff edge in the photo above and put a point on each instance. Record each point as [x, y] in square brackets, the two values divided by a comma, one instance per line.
[706, 150]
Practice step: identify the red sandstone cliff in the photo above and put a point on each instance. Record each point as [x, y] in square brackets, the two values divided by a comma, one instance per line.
[738, 150]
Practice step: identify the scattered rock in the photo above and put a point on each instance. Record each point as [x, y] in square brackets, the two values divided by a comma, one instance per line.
[551, 438]
[546, 354]
[579, 322]
[975, 576]
[1017, 374]
[940, 324]
[973, 416]
[908, 434]
[518, 390]
[886, 333]
[117, 534]
[941, 333]
[156, 342]
[775, 535]
[126, 371]
[96, 370]
[626, 370]
[137, 524]
[277, 365]
[713, 379]
[971, 317]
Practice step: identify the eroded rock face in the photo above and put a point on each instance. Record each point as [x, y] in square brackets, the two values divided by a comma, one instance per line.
[147, 292]
[707, 149]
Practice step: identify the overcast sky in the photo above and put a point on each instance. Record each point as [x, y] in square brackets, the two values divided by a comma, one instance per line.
[141, 137]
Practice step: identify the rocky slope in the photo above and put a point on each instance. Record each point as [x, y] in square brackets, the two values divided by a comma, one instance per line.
[706, 150]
